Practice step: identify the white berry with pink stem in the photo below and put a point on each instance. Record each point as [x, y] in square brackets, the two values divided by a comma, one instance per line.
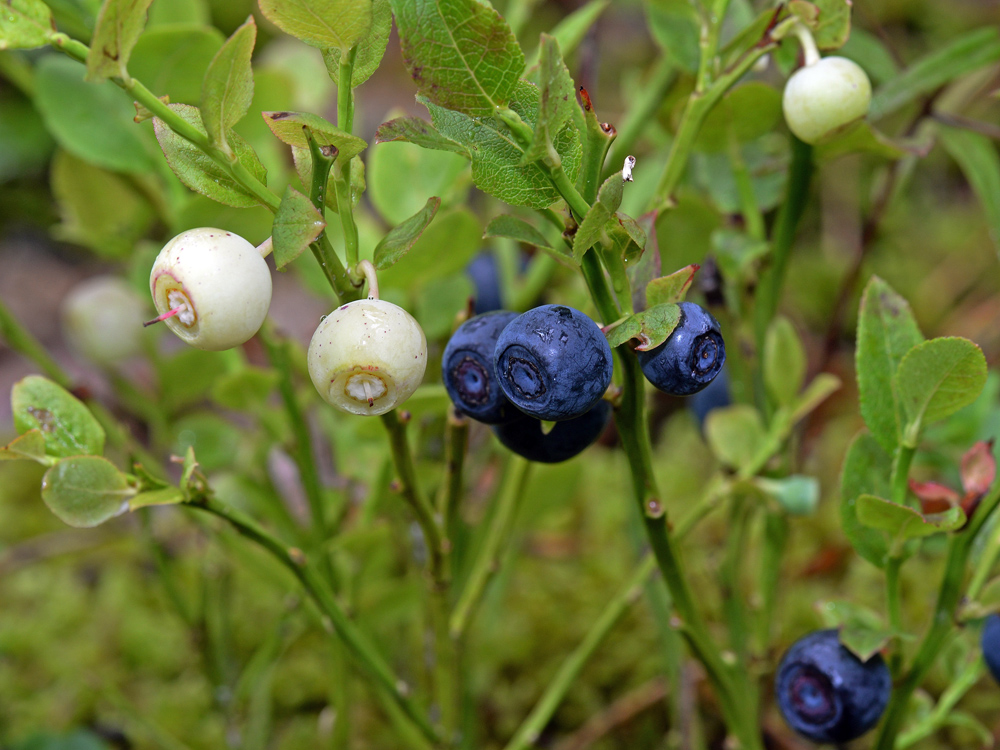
[211, 287]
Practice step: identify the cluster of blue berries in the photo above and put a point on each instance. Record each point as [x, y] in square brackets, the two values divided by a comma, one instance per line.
[554, 364]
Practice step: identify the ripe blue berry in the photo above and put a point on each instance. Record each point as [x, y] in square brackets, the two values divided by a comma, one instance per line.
[524, 435]
[991, 645]
[826, 693]
[713, 396]
[690, 358]
[468, 371]
[485, 275]
[553, 362]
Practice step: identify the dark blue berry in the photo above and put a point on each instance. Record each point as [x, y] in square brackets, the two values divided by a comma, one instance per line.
[485, 276]
[553, 362]
[690, 358]
[713, 396]
[524, 436]
[991, 645]
[826, 693]
[468, 371]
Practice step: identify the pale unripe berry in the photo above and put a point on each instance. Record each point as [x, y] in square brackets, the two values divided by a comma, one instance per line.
[102, 320]
[822, 99]
[218, 284]
[367, 357]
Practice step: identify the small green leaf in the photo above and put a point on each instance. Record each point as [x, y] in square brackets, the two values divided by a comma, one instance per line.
[296, 225]
[25, 24]
[784, 362]
[674, 26]
[734, 434]
[30, 445]
[68, 426]
[886, 332]
[247, 389]
[671, 289]
[745, 113]
[85, 491]
[321, 23]
[865, 642]
[228, 87]
[829, 20]
[187, 377]
[573, 29]
[511, 227]
[420, 132]
[199, 171]
[974, 50]
[171, 60]
[558, 100]
[797, 494]
[902, 522]
[162, 496]
[402, 237]
[976, 155]
[862, 137]
[119, 25]
[593, 227]
[866, 471]
[818, 391]
[649, 328]
[439, 301]
[937, 378]
[461, 54]
[288, 128]
[458, 230]
[403, 176]
[371, 47]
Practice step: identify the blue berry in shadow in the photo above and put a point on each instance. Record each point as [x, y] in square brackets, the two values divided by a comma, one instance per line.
[690, 358]
[485, 275]
[826, 693]
[991, 645]
[524, 436]
[713, 396]
[468, 371]
[553, 362]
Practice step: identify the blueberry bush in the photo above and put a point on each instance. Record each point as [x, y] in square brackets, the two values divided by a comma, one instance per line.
[634, 390]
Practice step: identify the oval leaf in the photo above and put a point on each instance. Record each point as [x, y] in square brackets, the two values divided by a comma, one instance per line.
[734, 434]
[68, 426]
[25, 24]
[902, 522]
[671, 289]
[288, 128]
[321, 23]
[784, 362]
[119, 24]
[296, 225]
[371, 47]
[85, 491]
[402, 237]
[30, 445]
[866, 471]
[228, 87]
[650, 328]
[513, 228]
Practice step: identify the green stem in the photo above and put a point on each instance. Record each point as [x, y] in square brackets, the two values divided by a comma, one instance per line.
[709, 44]
[899, 480]
[322, 250]
[775, 540]
[987, 561]
[456, 441]
[641, 112]
[752, 215]
[933, 721]
[733, 603]
[21, 341]
[370, 660]
[342, 175]
[487, 561]
[892, 603]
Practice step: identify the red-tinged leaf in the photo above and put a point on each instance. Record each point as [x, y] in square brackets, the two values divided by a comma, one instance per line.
[672, 288]
[979, 468]
[934, 497]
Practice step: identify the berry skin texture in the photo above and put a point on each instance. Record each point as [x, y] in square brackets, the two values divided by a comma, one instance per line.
[553, 362]
[826, 693]
[690, 358]
[220, 282]
[991, 645]
[468, 371]
[822, 99]
[524, 435]
[102, 320]
[367, 357]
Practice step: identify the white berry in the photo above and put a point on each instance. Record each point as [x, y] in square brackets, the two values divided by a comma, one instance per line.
[822, 99]
[215, 287]
[102, 320]
[367, 357]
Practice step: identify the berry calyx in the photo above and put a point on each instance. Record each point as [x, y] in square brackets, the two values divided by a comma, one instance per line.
[468, 371]
[553, 362]
[826, 693]
[526, 437]
[690, 358]
[367, 357]
[100, 318]
[211, 287]
[823, 99]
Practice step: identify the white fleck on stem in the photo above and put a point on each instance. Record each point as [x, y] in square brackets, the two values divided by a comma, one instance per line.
[627, 169]
[265, 247]
[809, 48]
[368, 270]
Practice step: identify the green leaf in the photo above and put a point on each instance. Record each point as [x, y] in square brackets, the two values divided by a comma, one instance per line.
[25, 24]
[862, 137]
[970, 52]
[162, 496]
[402, 177]
[438, 303]
[818, 391]
[572, 29]
[734, 434]
[829, 20]
[30, 445]
[558, 100]
[461, 54]
[458, 231]
[402, 237]
[745, 113]
[976, 155]
[886, 332]
[937, 378]
[866, 471]
[27, 145]
[304, 169]
[321, 23]
[649, 328]
[228, 87]
[288, 128]
[119, 25]
[593, 227]
[674, 26]
[513, 228]
[247, 389]
[174, 12]
[296, 225]
[85, 491]
[199, 171]
[986, 603]
[902, 522]
[420, 132]
[371, 47]
[797, 494]
[784, 362]
[68, 426]
[171, 60]
[864, 642]
[188, 376]
[671, 289]
[93, 121]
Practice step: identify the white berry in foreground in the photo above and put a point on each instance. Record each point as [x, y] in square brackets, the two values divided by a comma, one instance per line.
[102, 320]
[218, 284]
[822, 99]
[367, 357]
